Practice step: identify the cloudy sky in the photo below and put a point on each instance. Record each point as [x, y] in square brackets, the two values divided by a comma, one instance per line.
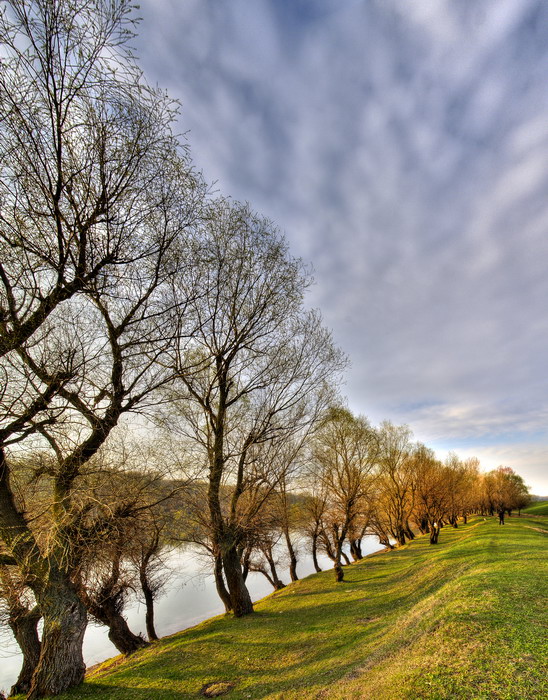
[402, 146]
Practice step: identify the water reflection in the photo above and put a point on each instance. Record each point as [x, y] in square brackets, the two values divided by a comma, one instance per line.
[189, 599]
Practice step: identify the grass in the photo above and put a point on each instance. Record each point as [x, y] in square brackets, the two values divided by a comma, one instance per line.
[464, 619]
[537, 508]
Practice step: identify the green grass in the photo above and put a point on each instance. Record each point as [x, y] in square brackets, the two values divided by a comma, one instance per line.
[464, 619]
[537, 508]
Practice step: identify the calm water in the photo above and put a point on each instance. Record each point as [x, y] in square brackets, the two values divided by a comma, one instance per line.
[189, 599]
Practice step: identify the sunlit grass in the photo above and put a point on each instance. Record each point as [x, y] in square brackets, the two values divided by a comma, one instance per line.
[464, 619]
[537, 508]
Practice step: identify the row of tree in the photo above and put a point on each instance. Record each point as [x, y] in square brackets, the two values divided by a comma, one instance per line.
[346, 481]
[127, 289]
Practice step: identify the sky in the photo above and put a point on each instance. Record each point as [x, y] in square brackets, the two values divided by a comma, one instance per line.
[402, 148]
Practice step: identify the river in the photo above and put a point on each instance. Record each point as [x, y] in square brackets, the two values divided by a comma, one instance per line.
[189, 598]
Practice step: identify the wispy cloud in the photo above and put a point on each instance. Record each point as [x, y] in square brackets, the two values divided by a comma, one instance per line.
[402, 147]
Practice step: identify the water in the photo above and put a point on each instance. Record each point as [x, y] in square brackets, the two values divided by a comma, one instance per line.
[189, 599]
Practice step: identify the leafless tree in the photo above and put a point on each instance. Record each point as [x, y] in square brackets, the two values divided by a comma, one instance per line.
[394, 483]
[255, 372]
[344, 457]
[96, 195]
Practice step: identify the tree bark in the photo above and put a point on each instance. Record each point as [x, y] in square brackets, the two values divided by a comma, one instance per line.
[292, 557]
[61, 665]
[122, 637]
[344, 555]
[24, 624]
[239, 595]
[356, 549]
[224, 595]
[434, 534]
[149, 605]
[339, 572]
[315, 553]
[276, 582]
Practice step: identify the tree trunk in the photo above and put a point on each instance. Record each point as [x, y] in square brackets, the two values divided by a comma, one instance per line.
[329, 550]
[122, 637]
[315, 553]
[149, 605]
[245, 562]
[356, 550]
[339, 572]
[24, 624]
[276, 582]
[61, 665]
[107, 613]
[434, 534]
[344, 555]
[292, 557]
[240, 599]
[224, 595]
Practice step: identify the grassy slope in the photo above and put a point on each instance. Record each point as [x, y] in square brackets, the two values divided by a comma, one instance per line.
[464, 619]
[537, 508]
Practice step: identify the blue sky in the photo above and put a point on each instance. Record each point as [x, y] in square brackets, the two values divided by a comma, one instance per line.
[402, 147]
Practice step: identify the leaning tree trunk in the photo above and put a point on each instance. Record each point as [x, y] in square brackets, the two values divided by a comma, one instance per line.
[122, 637]
[409, 532]
[315, 553]
[240, 599]
[224, 595]
[24, 625]
[400, 536]
[356, 549]
[344, 555]
[276, 581]
[61, 665]
[106, 612]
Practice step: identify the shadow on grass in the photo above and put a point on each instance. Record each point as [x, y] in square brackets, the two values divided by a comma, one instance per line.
[315, 633]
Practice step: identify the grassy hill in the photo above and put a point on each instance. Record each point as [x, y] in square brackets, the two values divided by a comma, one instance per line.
[537, 508]
[464, 619]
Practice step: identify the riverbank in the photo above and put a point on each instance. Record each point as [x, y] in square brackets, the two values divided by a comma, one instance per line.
[464, 619]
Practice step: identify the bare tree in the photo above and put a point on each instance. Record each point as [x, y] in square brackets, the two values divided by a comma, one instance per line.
[256, 371]
[108, 582]
[432, 491]
[314, 507]
[394, 502]
[95, 194]
[344, 456]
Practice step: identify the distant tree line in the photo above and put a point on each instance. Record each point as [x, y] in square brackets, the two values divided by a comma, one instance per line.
[161, 380]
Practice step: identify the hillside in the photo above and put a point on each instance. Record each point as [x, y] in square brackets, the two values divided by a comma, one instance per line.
[537, 508]
[464, 619]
